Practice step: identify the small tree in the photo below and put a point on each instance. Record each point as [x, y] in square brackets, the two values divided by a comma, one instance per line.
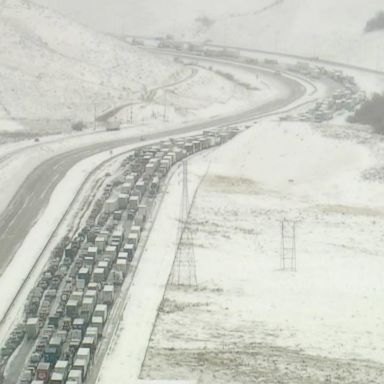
[376, 23]
[371, 113]
[78, 126]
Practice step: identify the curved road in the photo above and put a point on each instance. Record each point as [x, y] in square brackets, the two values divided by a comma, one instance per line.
[150, 95]
[33, 195]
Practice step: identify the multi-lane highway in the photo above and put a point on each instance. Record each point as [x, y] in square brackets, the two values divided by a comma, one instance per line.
[33, 195]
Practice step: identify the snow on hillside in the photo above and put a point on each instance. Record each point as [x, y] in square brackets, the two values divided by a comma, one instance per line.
[331, 30]
[148, 17]
[248, 321]
[328, 29]
[207, 94]
[54, 71]
[51, 67]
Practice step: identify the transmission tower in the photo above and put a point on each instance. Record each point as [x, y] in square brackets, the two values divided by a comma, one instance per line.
[184, 268]
[288, 245]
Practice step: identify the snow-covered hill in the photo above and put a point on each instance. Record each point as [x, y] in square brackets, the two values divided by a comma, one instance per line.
[53, 68]
[333, 30]
[328, 29]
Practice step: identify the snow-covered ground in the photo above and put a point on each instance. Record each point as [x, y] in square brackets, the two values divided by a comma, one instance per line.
[367, 81]
[250, 321]
[247, 321]
[85, 70]
[54, 68]
[55, 71]
[60, 200]
[328, 29]
[201, 97]
[208, 94]
[20, 158]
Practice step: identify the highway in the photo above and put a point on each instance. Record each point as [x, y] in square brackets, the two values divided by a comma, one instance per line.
[313, 60]
[33, 195]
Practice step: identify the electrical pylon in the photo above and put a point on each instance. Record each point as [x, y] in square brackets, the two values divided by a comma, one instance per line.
[288, 246]
[184, 267]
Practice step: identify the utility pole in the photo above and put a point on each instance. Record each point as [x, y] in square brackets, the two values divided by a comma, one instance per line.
[314, 44]
[184, 266]
[288, 246]
[165, 105]
[276, 40]
[94, 116]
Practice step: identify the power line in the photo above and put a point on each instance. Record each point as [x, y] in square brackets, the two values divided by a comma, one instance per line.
[184, 268]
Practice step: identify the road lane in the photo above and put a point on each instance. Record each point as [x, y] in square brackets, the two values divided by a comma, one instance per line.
[32, 197]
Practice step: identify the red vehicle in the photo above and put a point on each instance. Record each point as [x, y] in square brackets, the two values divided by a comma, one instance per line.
[42, 372]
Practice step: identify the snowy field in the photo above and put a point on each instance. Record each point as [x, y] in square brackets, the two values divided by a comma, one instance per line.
[53, 68]
[248, 321]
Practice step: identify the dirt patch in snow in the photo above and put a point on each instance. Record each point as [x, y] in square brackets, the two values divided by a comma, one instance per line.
[227, 184]
[255, 363]
[350, 210]
[172, 306]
